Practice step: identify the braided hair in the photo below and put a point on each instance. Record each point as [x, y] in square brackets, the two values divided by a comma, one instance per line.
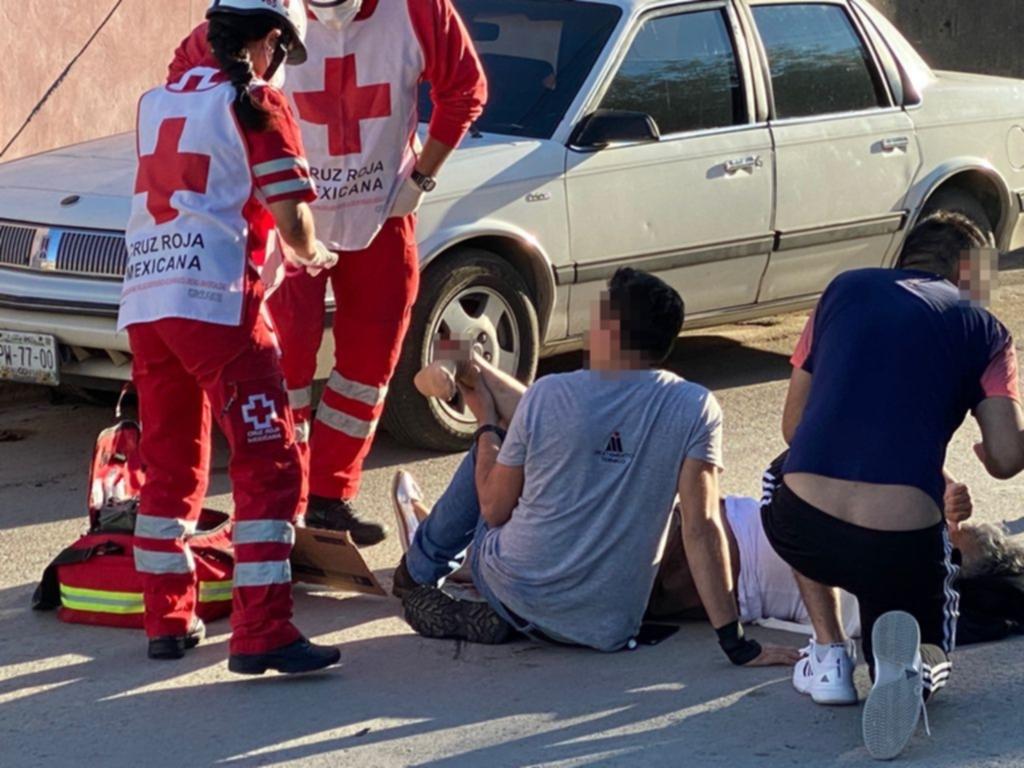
[228, 36]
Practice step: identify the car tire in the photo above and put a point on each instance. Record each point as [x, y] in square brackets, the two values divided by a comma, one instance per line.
[958, 201]
[456, 288]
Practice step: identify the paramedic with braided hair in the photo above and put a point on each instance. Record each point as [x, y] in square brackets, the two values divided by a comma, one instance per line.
[220, 163]
[356, 102]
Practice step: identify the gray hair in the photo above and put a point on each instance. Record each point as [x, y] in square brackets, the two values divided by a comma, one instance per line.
[998, 554]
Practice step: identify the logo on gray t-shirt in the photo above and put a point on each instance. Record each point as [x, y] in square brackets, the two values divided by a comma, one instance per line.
[613, 452]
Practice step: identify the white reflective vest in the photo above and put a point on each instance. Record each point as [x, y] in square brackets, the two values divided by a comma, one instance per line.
[355, 100]
[187, 234]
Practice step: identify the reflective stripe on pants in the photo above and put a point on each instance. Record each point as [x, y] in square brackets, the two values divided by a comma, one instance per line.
[164, 562]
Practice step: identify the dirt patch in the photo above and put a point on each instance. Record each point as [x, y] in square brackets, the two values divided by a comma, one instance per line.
[13, 435]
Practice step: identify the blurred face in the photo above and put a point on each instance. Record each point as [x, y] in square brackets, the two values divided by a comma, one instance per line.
[979, 270]
[603, 339]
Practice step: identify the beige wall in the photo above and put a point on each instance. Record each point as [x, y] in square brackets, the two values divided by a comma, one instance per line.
[39, 37]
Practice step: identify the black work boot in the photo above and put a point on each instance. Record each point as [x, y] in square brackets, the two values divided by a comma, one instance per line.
[432, 613]
[296, 658]
[174, 646]
[340, 515]
[402, 582]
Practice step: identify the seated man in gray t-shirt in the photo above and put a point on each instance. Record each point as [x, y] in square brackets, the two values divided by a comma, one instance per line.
[567, 514]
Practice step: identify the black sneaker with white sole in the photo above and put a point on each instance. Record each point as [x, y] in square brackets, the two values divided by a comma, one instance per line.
[340, 515]
[432, 613]
[171, 647]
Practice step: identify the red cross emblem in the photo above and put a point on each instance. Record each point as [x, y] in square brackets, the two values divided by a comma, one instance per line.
[343, 104]
[167, 171]
[259, 412]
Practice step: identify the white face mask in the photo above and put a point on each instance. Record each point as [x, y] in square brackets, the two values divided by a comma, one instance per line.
[335, 13]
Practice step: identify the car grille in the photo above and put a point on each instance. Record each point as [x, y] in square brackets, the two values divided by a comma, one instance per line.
[15, 245]
[85, 253]
[63, 251]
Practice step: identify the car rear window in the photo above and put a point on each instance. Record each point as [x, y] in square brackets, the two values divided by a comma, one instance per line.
[819, 64]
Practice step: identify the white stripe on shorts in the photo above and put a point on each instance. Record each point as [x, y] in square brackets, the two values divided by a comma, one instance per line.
[951, 608]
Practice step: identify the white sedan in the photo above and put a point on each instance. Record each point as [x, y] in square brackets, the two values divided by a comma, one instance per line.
[745, 150]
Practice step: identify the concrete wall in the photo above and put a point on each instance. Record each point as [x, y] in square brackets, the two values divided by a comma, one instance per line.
[40, 37]
[969, 35]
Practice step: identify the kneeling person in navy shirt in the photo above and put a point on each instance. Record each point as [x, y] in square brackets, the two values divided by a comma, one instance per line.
[889, 365]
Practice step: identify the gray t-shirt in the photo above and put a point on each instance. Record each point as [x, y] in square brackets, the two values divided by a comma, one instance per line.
[601, 455]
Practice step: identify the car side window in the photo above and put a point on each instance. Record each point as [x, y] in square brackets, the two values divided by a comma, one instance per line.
[682, 71]
[819, 64]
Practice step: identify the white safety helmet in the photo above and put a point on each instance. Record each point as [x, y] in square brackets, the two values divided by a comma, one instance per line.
[291, 12]
[335, 13]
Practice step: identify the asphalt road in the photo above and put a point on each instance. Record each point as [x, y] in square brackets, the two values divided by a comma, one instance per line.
[88, 696]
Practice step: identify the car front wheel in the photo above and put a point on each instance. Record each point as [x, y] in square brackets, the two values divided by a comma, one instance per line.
[958, 201]
[473, 296]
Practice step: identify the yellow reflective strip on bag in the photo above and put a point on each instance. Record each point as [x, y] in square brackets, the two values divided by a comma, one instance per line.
[103, 593]
[101, 601]
[215, 591]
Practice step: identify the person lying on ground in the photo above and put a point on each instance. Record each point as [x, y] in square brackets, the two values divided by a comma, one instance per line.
[886, 371]
[561, 509]
[990, 580]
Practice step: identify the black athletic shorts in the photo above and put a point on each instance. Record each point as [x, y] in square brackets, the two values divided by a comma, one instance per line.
[908, 571]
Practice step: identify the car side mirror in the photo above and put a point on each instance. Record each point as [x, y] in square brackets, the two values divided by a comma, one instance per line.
[608, 126]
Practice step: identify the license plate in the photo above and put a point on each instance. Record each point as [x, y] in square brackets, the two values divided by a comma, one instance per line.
[29, 357]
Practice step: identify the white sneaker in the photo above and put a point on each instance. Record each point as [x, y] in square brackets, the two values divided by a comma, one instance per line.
[404, 491]
[828, 681]
[896, 700]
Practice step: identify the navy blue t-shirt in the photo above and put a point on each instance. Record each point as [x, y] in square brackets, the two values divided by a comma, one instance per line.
[897, 361]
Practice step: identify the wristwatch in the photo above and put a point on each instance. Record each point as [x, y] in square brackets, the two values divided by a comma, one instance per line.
[424, 182]
[489, 428]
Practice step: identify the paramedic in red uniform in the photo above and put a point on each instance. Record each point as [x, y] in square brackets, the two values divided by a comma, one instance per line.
[355, 99]
[220, 163]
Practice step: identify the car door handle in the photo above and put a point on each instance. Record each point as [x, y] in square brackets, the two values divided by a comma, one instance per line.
[749, 163]
[894, 143]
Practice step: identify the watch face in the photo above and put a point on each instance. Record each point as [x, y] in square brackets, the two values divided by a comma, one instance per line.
[424, 182]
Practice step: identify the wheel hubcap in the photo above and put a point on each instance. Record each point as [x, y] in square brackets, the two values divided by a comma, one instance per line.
[478, 316]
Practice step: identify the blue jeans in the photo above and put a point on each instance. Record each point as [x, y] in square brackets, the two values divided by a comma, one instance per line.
[453, 526]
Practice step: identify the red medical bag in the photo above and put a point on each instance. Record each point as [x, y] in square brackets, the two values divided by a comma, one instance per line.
[94, 581]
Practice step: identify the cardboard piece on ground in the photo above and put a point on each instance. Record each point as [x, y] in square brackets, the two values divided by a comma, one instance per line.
[329, 558]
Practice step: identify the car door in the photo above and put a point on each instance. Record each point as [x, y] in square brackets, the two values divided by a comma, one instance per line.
[695, 205]
[845, 155]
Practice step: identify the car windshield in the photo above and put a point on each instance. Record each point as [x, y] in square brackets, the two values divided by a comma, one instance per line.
[536, 54]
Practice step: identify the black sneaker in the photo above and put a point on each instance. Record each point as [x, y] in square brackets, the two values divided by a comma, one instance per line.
[432, 613]
[402, 582]
[340, 515]
[296, 658]
[174, 646]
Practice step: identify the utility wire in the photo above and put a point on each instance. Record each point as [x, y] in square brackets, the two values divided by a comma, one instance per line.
[60, 79]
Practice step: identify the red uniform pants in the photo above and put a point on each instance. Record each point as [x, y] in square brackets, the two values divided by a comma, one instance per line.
[185, 371]
[374, 290]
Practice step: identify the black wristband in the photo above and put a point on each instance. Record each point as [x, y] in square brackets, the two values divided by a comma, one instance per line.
[738, 648]
[489, 428]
